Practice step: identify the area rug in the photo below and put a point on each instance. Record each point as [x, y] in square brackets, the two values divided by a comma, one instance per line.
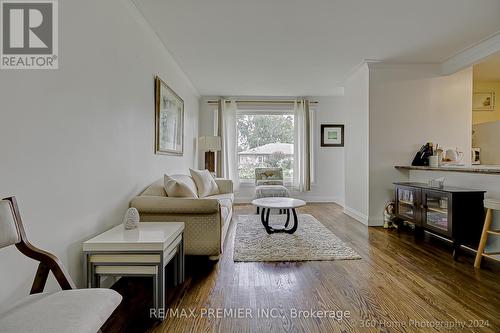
[311, 241]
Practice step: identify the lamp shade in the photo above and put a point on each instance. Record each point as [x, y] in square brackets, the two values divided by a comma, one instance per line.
[209, 143]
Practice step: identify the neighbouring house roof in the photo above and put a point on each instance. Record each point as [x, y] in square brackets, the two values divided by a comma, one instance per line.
[268, 149]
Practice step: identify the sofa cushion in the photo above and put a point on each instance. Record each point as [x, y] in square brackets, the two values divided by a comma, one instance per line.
[180, 186]
[80, 310]
[205, 182]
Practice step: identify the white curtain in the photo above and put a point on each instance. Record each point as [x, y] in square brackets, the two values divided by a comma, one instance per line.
[302, 147]
[227, 161]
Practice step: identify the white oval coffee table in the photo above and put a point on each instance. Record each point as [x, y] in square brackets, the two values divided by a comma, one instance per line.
[280, 203]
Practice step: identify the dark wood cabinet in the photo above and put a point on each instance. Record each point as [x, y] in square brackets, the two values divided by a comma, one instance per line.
[454, 213]
[408, 203]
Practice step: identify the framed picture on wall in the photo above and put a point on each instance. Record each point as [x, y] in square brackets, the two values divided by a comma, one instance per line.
[169, 120]
[483, 101]
[332, 135]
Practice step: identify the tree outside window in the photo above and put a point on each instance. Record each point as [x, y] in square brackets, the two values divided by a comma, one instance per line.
[265, 140]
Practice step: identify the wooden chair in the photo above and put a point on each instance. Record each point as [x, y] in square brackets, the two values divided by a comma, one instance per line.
[490, 205]
[69, 310]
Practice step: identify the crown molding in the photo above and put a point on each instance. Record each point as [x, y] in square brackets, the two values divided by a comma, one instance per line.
[463, 59]
[364, 62]
[401, 65]
[139, 15]
[471, 55]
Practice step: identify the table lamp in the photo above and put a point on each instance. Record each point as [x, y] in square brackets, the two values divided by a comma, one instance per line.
[209, 144]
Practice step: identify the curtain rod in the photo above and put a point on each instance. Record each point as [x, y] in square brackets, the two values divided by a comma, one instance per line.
[262, 102]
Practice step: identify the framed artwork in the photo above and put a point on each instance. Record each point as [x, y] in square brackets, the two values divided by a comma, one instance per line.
[169, 120]
[483, 101]
[332, 135]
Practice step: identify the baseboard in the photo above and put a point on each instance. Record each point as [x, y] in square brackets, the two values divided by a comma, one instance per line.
[358, 216]
[375, 222]
[242, 200]
[336, 200]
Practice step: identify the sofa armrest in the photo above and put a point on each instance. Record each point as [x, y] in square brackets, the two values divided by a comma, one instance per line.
[166, 205]
[225, 185]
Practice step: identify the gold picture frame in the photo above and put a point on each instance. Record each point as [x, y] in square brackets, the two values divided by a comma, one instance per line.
[483, 101]
[169, 120]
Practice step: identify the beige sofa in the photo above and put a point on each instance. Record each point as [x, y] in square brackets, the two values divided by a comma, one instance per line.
[207, 219]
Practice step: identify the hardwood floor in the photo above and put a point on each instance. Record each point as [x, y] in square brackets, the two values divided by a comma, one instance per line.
[400, 284]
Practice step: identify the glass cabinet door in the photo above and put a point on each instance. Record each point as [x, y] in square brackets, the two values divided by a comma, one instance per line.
[407, 203]
[436, 206]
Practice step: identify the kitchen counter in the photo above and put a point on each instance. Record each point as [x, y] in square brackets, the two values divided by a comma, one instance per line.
[425, 186]
[484, 169]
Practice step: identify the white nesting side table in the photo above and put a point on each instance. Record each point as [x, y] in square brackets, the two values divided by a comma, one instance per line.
[144, 251]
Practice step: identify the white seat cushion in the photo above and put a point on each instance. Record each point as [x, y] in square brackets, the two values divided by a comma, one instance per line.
[76, 311]
[266, 191]
[225, 199]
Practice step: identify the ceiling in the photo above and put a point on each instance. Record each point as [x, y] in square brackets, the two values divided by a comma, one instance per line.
[488, 69]
[308, 48]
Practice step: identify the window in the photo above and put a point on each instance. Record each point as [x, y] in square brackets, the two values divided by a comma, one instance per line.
[265, 139]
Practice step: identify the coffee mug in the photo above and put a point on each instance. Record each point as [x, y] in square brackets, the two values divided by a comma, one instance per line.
[434, 161]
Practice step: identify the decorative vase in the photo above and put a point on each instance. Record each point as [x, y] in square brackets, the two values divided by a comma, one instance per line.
[131, 219]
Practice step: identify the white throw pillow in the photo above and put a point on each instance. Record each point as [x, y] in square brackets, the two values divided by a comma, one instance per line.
[179, 188]
[205, 182]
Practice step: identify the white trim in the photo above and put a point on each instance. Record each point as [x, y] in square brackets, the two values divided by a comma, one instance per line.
[264, 111]
[358, 216]
[320, 199]
[354, 69]
[375, 222]
[393, 65]
[471, 55]
[242, 200]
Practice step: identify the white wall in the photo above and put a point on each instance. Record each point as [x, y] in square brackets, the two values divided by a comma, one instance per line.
[329, 183]
[329, 162]
[355, 108]
[487, 137]
[411, 105]
[77, 143]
